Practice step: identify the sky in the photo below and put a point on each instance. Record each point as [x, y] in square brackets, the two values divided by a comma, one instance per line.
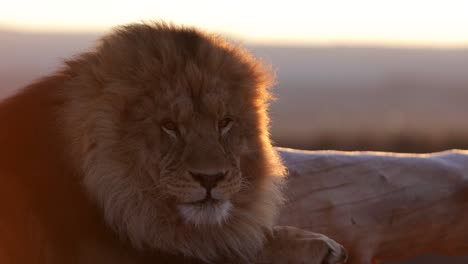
[391, 22]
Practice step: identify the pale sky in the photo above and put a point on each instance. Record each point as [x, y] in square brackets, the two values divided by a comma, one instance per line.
[392, 22]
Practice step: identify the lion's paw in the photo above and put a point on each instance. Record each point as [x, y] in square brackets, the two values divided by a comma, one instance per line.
[296, 246]
[337, 254]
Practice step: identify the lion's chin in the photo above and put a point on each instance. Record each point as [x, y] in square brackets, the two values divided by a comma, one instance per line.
[206, 213]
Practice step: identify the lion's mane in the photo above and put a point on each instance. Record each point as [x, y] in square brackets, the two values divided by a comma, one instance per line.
[99, 108]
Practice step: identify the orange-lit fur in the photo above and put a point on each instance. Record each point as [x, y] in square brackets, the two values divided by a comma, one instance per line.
[81, 152]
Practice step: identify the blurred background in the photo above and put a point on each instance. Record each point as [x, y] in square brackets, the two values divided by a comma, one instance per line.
[351, 75]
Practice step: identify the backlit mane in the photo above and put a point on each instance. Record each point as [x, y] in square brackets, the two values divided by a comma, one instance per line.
[149, 110]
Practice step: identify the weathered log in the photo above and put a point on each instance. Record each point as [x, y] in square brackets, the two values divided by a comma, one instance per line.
[381, 206]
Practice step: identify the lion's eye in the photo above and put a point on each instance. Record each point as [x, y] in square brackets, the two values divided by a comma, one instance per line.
[169, 127]
[224, 125]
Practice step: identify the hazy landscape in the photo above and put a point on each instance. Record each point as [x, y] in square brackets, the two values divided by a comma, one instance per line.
[349, 98]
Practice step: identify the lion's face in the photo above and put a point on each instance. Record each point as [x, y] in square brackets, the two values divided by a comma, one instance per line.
[201, 141]
[170, 129]
[199, 164]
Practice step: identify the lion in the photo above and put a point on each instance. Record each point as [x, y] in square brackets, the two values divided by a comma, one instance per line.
[153, 147]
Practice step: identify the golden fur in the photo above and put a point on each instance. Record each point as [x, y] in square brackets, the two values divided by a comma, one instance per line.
[131, 121]
[143, 75]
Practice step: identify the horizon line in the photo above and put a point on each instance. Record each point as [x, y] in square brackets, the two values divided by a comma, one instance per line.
[267, 41]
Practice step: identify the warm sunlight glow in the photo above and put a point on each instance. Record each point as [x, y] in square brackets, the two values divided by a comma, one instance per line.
[416, 22]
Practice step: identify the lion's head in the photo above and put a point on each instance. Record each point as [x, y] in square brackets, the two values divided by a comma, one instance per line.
[169, 127]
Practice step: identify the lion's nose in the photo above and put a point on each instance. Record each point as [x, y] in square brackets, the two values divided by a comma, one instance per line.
[208, 180]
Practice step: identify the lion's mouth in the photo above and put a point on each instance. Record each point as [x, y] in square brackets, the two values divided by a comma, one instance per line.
[207, 201]
[206, 211]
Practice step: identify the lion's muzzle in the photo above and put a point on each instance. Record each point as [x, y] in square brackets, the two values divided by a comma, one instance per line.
[207, 181]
